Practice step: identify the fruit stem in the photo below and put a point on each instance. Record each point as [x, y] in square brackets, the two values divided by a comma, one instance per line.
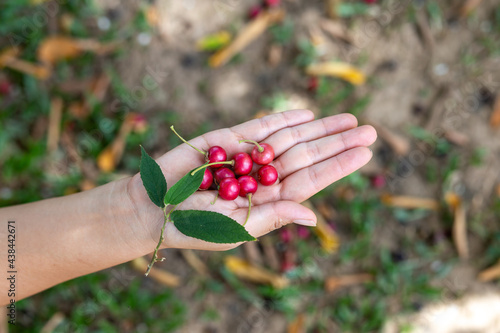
[249, 207]
[190, 145]
[210, 164]
[216, 196]
[259, 147]
[162, 238]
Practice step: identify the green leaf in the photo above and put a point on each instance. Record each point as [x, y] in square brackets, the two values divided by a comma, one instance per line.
[153, 179]
[186, 186]
[210, 226]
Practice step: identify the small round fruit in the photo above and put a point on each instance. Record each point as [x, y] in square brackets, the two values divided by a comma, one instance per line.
[267, 175]
[207, 180]
[216, 154]
[242, 164]
[229, 188]
[263, 157]
[222, 173]
[248, 185]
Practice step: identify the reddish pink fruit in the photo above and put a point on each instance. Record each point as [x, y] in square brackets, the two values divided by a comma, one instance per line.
[229, 189]
[267, 175]
[303, 232]
[242, 164]
[207, 180]
[313, 83]
[254, 11]
[285, 235]
[271, 3]
[248, 185]
[378, 181]
[216, 154]
[265, 156]
[370, 1]
[223, 173]
[4, 88]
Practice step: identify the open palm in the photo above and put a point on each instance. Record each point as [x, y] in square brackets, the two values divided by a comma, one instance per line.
[310, 155]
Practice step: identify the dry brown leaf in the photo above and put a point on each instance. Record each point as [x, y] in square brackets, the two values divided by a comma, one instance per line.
[409, 202]
[332, 8]
[54, 130]
[270, 253]
[468, 7]
[194, 261]
[336, 282]
[252, 253]
[152, 16]
[275, 55]
[78, 109]
[297, 326]
[495, 115]
[399, 144]
[327, 237]
[108, 159]
[326, 210]
[337, 30]
[459, 224]
[8, 58]
[338, 69]
[458, 138]
[53, 322]
[87, 184]
[243, 269]
[56, 48]
[248, 34]
[166, 278]
[490, 274]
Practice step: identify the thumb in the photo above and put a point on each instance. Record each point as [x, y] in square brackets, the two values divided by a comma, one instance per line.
[271, 216]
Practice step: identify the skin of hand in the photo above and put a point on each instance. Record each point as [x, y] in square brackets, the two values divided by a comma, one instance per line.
[62, 238]
[310, 155]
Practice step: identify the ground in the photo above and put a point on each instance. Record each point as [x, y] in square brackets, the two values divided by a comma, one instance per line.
[432, 80]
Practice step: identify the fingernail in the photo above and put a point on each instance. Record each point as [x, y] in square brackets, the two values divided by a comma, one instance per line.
[307, 223]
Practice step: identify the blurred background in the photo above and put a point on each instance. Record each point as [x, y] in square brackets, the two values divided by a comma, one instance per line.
[410, 243]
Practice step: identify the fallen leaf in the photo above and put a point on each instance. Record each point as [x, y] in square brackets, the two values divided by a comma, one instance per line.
[327, 237]
[243, 269]
[166, 278]
[409, 202]
[275, 55]
[57, 48]
[459, 224]
[214, 42]
[332, 8]
[152, 16]
[337, 30]
[108, 159]
[55, 118]
[468, 7]
[495, 115]
[399, 144]
[490, 274]
[195, 262]
[252, 253]
[341, 70]
[248, 34]
[297, 326]
[8, 58]
[337, 282]
[53, 322]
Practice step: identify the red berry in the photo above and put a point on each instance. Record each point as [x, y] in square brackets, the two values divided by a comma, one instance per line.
[248, 185]
[303, 232]
[378, 181]
[216, 154]
[265, 156]
[207, 180]
[267, 175]
[254, 11]
[313, 83]
[222, 173]
[242, 164]
[271, 3]
[229, 188]
[285, 235]
[4, 88]
[370, 1]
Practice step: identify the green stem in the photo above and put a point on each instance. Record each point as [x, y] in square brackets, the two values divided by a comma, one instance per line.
[180, 137]
[249, 207]
[162, 238]
[216, 196]
[259, 147]
[210, 164]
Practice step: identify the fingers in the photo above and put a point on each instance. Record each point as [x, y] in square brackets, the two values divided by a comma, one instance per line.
[270, 216]
[259, 129]
[306, 182]
[309, 153]
[290, 136]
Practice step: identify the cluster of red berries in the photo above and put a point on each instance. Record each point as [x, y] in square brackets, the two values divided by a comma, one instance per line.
[237, 181]
[232, 177]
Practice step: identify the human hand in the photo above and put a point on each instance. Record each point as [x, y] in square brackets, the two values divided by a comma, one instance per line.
[310, 155]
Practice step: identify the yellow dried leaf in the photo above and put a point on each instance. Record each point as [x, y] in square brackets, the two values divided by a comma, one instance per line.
[409, 202]
[106, 160]
[247, 271]
[336, 282]
[166, 278]
[327, 237]
[495, 115]
[341, 70]
[214, 42]
[54, 49]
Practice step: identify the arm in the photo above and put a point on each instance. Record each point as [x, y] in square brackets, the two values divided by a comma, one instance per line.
[62, 238]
